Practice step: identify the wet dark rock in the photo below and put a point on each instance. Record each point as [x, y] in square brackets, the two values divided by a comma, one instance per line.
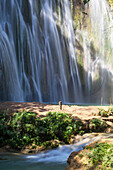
[72, 155]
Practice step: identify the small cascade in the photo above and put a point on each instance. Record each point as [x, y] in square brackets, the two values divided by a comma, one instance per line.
[50, 159]
[61, 154]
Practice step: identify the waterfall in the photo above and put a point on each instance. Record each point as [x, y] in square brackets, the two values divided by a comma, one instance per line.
[37, 53]
[39, 57]
[98, 53]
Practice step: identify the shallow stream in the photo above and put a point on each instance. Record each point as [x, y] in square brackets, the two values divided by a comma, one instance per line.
[55, 159]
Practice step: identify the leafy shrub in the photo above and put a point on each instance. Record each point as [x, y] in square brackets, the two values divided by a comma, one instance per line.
[24, 128]
[5, 129]
[61, 126]
[103, 113]
[110, 111]
[50, 144]
[97, 125]
[102, 154]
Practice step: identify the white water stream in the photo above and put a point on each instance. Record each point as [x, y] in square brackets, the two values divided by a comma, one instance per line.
[61, 154]
[49, 160]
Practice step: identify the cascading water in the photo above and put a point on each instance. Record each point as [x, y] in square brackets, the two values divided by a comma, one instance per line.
[52, 159]
[38, 53]
[98, 53]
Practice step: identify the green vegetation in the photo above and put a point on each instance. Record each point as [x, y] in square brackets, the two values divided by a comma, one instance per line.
[101, 155]
[110, 2]
[97, 125]
[104, 113]
[26, 129]
[110, 111]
